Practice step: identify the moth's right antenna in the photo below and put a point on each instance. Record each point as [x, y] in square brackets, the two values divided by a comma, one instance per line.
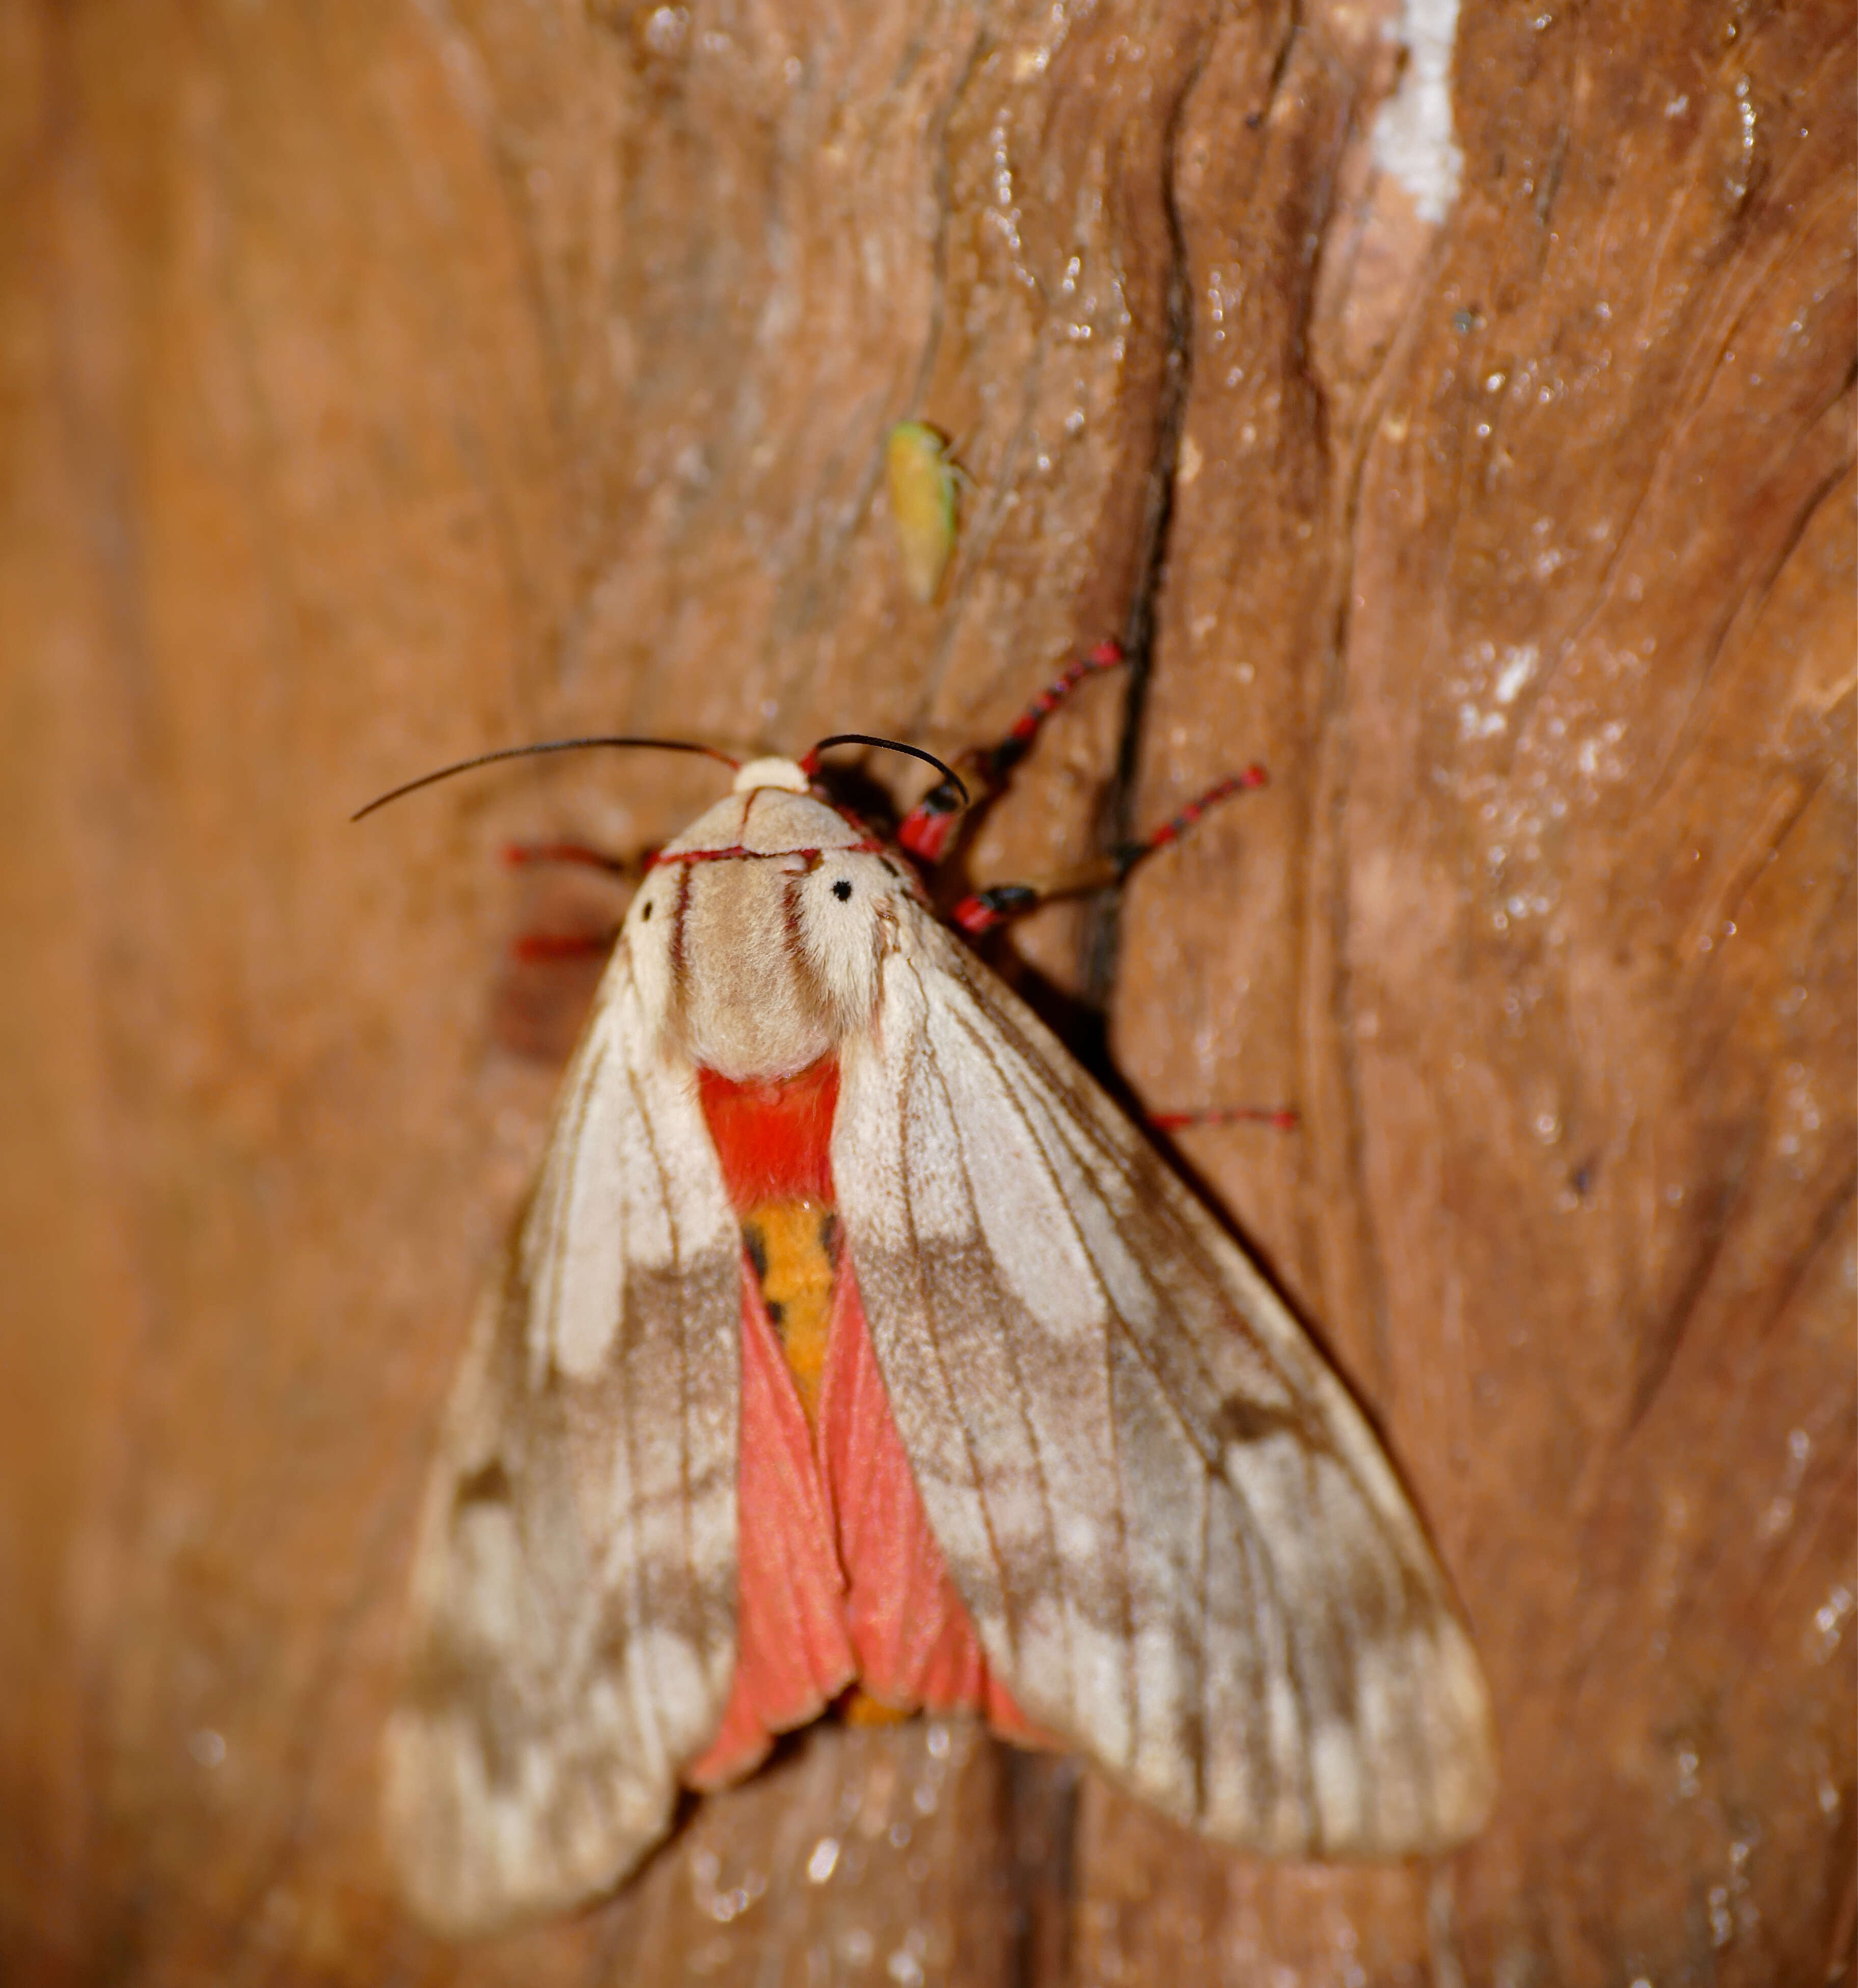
[810, 765]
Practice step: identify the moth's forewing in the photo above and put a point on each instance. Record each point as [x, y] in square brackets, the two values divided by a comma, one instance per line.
[1183, 1549]
[572, 1633]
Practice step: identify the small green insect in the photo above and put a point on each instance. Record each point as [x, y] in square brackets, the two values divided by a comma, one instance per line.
[921, 476]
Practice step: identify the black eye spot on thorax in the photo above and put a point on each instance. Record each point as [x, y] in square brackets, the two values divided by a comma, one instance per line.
[645, 912]
[841, 890]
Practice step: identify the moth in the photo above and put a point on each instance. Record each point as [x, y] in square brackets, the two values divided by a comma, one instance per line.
[852, 1342]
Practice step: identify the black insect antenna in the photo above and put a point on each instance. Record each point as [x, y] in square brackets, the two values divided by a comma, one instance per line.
[810, 765]
[530, 752]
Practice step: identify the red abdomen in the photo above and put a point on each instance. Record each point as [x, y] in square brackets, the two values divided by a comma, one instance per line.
[840, 1582]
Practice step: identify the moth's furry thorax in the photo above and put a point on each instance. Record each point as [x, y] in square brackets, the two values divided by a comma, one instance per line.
[758, 937]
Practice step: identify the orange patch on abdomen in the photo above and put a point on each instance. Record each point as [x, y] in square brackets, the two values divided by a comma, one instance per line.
[793, 1246]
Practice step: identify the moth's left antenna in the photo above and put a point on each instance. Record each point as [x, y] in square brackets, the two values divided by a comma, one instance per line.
[530, 752]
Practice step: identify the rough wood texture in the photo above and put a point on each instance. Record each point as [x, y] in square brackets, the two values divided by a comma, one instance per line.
[391, 382]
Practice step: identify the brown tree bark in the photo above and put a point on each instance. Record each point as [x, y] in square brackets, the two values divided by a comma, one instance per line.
[1458, 422]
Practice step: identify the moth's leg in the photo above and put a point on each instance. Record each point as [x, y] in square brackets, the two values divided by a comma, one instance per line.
[929, 827]
[990, 908]
[589, 940]
[520, 855]
[987, 908]
[530, 948]
[566, 925]
[1286, 1121]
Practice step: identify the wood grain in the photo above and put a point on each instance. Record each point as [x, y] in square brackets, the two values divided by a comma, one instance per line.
[390, 382]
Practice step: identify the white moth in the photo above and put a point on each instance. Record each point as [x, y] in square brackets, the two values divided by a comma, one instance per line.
[1181, 1549]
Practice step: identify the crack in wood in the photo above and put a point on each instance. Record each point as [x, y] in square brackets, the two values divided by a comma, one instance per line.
[1101, 942]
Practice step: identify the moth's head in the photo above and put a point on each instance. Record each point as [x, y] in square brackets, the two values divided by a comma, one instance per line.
[758, 937]
[759, 933]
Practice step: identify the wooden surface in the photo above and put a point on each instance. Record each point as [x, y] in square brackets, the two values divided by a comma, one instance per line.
[387, 381]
